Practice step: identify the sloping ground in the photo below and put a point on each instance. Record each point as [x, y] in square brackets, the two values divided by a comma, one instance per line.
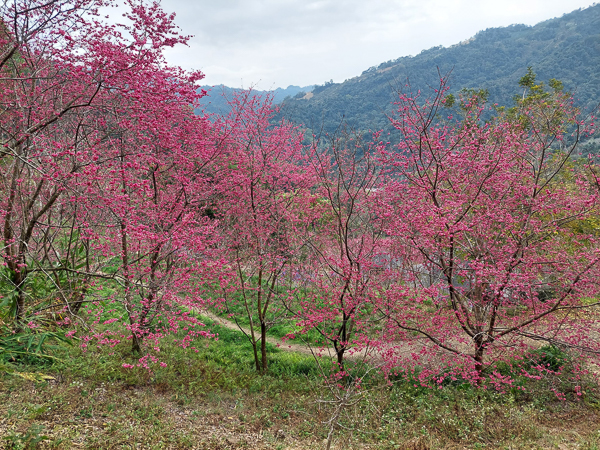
[67, 414]
[209, 401]
[286, 346]
[121, 416]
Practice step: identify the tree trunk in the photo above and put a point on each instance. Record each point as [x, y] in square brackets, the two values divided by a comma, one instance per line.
[136, 348]
[340, 358]
[263, 345]
[478, 357]
[80, 297]
[18, 280]
[256, 359]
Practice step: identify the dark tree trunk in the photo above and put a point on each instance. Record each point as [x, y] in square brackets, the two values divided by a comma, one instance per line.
[18, 279]
[478, 357]
[256, 358]
[263, 345]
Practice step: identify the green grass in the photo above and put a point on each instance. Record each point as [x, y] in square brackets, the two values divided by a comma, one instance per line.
[232, 347]
[285, 325]
[215, 399]
[212, 398]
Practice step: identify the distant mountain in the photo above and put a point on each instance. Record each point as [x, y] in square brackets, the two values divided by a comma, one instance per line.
[566, 48]
[216, 100]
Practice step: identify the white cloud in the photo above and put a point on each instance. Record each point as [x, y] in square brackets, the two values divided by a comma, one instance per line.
[281, 42]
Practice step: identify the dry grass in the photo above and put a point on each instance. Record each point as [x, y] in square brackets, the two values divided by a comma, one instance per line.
[83, 414]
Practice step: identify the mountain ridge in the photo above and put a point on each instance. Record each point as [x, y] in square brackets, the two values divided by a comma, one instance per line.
[566, 48]
[215, 102]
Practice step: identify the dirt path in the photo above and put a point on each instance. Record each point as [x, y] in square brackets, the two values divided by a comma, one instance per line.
[286, 346]
[401, 349]
[367, 355]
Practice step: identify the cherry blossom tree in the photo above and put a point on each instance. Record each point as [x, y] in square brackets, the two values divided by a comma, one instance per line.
[344, 240]
[481, 214]
[151, 208]
[102, 158]
[262, 189]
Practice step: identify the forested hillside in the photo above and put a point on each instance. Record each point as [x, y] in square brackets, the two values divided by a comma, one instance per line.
[566, 48]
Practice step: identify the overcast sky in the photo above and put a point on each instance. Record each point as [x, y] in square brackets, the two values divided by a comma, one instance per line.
[276, 43]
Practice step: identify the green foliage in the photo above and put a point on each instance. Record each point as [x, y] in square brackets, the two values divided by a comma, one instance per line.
[44, 287]
[548, 356]
[534, 93]
[528, 80]
[280, 329]
[234, 350]
[28, 440]
[449, 100]
[31, 346]
[470, 97]
[8, 295]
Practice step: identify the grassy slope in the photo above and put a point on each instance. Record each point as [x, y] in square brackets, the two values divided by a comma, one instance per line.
[213, 400]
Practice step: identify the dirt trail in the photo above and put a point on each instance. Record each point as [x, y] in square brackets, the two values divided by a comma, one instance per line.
[305, 348]
[286, 346]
